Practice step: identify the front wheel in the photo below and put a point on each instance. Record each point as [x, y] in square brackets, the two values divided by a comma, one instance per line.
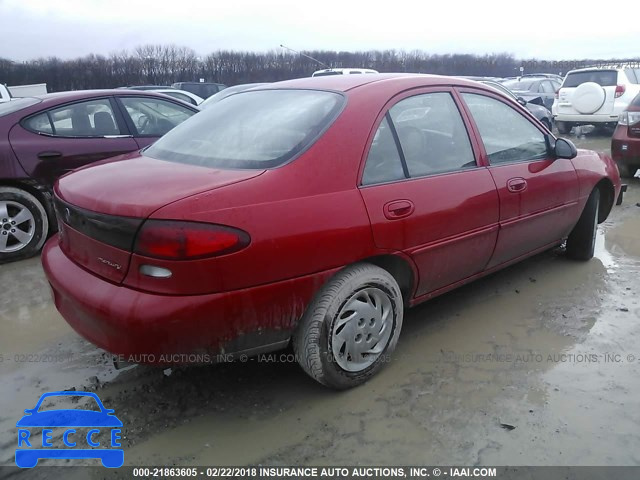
[582, 239]
[352, 326]
[23, 224]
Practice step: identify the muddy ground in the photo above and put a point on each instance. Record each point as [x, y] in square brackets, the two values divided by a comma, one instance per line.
[550, 347]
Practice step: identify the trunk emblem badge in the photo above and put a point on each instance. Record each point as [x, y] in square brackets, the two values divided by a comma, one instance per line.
[109, 263]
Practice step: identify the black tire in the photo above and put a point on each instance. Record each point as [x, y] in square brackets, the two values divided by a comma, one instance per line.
[582, 239]
[626, 171]
[11, 249]
[564, 128]
[312, 341]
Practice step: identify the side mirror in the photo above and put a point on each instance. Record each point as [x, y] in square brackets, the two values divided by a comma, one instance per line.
[565, 149]
[522, 101]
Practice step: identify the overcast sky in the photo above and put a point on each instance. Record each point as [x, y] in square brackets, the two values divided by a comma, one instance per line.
[542, 29]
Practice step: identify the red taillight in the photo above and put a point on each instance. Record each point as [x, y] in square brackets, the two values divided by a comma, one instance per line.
[177, 240]
[619, 90]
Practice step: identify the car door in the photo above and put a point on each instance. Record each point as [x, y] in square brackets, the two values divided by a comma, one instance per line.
[51, 143]
[150, 117]
[425, 193]
[538, 194]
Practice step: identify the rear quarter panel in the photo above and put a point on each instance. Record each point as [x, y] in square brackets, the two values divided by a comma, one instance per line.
[591, 168]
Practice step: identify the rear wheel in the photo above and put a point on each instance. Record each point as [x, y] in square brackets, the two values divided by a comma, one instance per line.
[582, 239]
[23, 224]
[351, 327]
[564, 128]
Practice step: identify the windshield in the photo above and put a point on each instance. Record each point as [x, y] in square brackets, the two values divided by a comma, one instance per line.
[523, 85]
[253, 129]
[15, 105]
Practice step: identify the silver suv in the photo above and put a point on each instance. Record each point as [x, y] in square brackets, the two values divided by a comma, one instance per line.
[595, 96]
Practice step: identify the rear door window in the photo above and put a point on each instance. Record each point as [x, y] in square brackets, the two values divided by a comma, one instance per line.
[604, 78]
[432, 135]
[383, 162]
[420, 135]
[92, 118]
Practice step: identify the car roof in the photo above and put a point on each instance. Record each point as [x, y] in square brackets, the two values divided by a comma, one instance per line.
[344, 83]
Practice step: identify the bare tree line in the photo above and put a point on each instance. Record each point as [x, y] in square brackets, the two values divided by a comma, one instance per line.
[165, 64]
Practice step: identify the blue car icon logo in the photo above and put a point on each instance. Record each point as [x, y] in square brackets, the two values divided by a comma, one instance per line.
[73, 444]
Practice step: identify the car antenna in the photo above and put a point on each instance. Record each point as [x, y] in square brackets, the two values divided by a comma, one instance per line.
[305, 55]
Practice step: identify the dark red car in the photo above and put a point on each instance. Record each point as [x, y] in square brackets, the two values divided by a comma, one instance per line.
[44, 137]
[314, 211]
[625, 144]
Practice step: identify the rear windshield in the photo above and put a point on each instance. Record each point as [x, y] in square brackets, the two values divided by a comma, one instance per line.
[18, 104]
[252, 129]
[604, 78]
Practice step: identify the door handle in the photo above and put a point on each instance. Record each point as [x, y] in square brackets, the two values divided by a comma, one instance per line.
[49, 154]
[516, 185]
[398, 209]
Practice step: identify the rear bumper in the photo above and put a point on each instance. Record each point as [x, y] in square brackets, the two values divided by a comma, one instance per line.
[169, 329]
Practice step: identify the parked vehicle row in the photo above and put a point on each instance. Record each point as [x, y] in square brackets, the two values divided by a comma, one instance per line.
[355, 195]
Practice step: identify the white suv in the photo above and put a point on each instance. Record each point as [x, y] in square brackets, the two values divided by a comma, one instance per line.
[595, 96]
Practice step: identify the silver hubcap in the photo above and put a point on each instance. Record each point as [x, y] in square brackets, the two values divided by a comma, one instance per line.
[17, 226]
[361, 329]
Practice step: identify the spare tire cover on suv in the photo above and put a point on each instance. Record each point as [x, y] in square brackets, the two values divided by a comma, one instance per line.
[588, 97]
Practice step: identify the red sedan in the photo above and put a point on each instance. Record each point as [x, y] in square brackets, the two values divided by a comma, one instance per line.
[625, 144]
[314, 211]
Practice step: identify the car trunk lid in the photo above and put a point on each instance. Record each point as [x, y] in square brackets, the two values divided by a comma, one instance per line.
[100, 209]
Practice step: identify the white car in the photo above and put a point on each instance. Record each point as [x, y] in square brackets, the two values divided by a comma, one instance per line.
[342, 71]
[595, 96]
[183, 95]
